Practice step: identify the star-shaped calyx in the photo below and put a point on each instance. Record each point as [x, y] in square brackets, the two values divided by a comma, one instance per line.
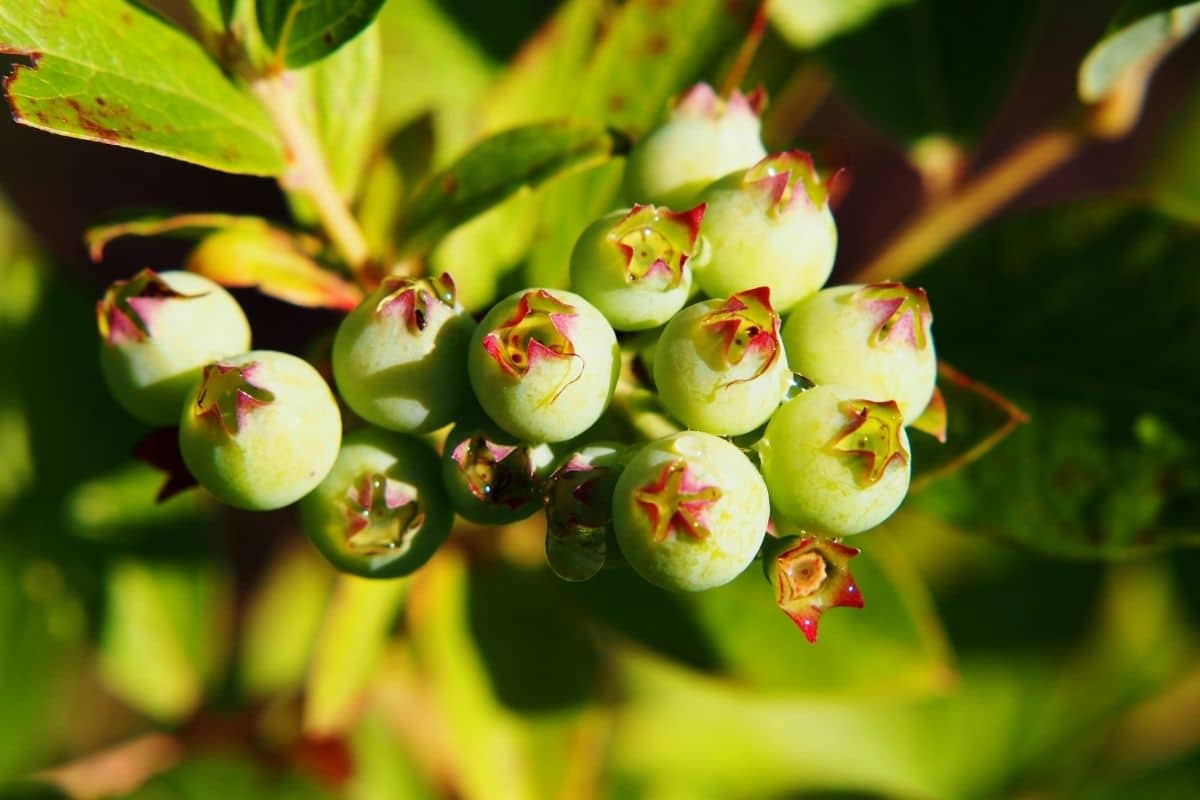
[677, 501]
[227, 395]
[382, 515]
[416, 299]
[809, 575]
[540, 328]
[746, 323]
[902, 313]
[786, 178]
[872, 438]
[657, 243]
[703, 101]
[496, 473]
[125, 312]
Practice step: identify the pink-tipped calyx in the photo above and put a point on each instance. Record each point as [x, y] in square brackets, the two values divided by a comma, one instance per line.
[540, 328]
[703, 101]
[787, 178]
[416, 299]
[871, 438]
[501, 474]
[902, 313]
[382, 515]
[811, 574]
[747, 324]
[677, 501]
[126, 311]
[657, 242]
[228, 396]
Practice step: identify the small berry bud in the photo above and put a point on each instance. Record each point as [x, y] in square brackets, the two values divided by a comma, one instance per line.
[810, 574]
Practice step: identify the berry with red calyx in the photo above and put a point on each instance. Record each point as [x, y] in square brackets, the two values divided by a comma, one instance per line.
[809, 575]
[835, 462]
[703, 138]
[769, 225]
[690, 511]
[157, 331]
[875, 339]
[260, 430]
[490, 476]
[544, 364]
[381, 512]
[398, 356]
[719, 365]
[634, 265]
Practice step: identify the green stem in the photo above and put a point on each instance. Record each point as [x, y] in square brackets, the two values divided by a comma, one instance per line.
[308, 172]
[639, 406]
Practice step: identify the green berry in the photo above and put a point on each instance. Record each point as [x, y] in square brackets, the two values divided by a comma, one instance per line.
[381, 512]
[690, 511]
[719, 364]
[544, 364]
[634, 266]
[769, 225]
[835, 464]
[398, 357]
[260, 430]
[490, 477]
[874, 339]
[578, 497]
[703, 139]
[157, 331]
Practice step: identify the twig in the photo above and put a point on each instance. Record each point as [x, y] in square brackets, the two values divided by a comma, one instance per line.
[945, 221]
[309, 173]
[745, 57]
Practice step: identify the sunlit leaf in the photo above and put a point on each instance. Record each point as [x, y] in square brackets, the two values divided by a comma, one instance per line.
[303, 31]
[109, 71]
[1133, 45]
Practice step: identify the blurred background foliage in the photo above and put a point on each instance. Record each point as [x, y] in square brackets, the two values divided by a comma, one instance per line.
[1031, 619]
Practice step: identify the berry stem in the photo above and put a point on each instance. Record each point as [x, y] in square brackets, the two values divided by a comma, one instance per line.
[639, 405]
[944, 221]
[745, 56]
[308, 172]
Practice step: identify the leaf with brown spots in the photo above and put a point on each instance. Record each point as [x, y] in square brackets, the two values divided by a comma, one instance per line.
[109, 71]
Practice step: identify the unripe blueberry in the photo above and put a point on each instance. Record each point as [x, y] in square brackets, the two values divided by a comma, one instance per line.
[769, 225]
[690, 511]
[490, 477]
[157, 331]
[835, 463]
[703, 138]
[578, 497]
[634, 265]
[260, 430]
[873, 339]
[398, 357]
[719, 364]
[544, 364]
[809, 575]
[381, 512]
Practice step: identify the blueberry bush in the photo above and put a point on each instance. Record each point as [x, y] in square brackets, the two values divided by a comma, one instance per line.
[424, 398]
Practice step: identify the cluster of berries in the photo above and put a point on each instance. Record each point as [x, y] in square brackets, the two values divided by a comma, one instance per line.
[822, 455]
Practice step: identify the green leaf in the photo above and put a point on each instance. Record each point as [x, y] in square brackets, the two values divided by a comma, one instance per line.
[109, 71]
[228, 777]
[165, 634]
[342, 93]
[188, 226]
[303, 31]
[807, 23]
[1087, 324]
[496, 168]
[1134, 45]
[932, 66]
[281, 621]
[356, 626]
